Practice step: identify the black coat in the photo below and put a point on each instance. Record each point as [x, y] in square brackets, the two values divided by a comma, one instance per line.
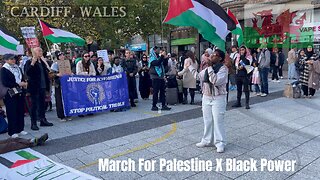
[273, 59]
[34, 78]
[7, 78]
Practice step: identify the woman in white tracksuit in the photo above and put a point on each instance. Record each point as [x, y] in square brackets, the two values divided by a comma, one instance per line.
[213, 79]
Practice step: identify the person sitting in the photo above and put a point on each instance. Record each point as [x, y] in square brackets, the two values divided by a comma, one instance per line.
[12, 144]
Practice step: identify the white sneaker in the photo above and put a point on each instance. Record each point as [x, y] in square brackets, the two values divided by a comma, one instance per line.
[63, 120]
[278, 81]
[258, 94]
[202, 144]
[220, 149]
[23, 133]
[15, 136]
[281, 77]
[263, 95]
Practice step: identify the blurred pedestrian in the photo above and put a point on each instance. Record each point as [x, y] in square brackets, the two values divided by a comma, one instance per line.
[144, 78]
[292, 59]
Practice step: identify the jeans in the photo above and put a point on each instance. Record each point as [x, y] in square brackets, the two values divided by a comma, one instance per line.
[257, 88]
[264, 80]
[292, 73]
[38, 106]
[275, 73]
[213, 110]
[158, 85]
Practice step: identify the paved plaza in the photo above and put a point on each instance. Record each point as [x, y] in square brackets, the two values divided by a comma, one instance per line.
[275, 128]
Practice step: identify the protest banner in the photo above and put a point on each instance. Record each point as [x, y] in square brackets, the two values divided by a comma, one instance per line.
[30, 37]
[91, 94]
[104, 55]
[27, 164]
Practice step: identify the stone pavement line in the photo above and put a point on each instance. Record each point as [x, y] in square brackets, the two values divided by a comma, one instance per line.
[144, 146]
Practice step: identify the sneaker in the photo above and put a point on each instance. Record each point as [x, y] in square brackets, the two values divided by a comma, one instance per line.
[40, 141]
[263, 95]
[278, 81]
[14, 136]
[281, 77]
[274, 80]
[63, 120]
[165, 108]
[202, 144]
[23, 133]
[34, 127]
[220, 149]
[69, 119]
[258, 94]
[154, 108]
[309, 96]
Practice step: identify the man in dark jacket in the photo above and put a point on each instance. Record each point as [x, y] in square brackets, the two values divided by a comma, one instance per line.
[277, 61]
[38, 83]
[157, 72]
[131, 69]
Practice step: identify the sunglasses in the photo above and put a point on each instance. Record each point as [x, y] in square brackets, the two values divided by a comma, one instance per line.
[86, 56]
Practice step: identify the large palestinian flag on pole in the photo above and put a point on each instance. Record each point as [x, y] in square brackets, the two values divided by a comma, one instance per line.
[56, 35]
[7, 41]
[210, 19]
[238, 31]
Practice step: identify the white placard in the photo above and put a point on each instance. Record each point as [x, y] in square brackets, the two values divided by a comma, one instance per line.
[104, 55]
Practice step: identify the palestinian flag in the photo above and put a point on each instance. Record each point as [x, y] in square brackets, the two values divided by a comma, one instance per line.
[238, 31]
[56, 35]
[211, 20]
[17, 159]
[8, 41]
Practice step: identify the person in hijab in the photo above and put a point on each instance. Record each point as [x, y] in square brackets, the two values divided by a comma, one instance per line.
[157, 66]
[242, 77]
[144, 78]
[304, 69]
[12, 78]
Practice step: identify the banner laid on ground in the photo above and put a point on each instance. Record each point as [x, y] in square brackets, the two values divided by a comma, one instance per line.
[85, 95]
[28, 164]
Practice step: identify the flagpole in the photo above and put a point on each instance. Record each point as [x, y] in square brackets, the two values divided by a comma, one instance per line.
[45, 39]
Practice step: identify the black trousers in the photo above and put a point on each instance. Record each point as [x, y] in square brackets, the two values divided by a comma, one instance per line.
[132, 86]
[159, 86]
[59, 104]
[15, 113]
[308, 91]
[280, 71]
[38, 106]
[242, 86]
[191, 91]
[275, 72]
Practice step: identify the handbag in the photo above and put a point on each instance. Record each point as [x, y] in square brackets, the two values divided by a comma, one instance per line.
[14, 91]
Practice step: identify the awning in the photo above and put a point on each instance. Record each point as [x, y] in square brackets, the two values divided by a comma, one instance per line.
[185, 41]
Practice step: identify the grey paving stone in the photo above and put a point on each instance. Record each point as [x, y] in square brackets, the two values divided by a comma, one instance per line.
[208, 176]
[72, 154]
[269, 151]
[263, 176]
[95, 148]
[153, 176]
[74, 163]
[116, 142]
[248, 144]
[161, 148]
[54, 158]
[262, 138]
[181, 142]
[190, 151]
[176, 175]
[120, 175]
[116, 151]
[92, 158]
[303, 176]
[142, 154]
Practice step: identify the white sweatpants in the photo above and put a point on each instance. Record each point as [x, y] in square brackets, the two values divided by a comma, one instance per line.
[213, 110]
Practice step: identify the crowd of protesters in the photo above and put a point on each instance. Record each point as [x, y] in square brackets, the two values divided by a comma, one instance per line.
[169, 78]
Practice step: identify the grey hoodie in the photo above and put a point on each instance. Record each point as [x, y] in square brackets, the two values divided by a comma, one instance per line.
[264, 58]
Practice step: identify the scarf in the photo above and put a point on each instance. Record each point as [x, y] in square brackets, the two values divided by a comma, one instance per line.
[153, 57]
[15, 70]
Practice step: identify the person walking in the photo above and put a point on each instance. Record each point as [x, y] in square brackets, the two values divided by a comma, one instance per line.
[157, 67]
[292, 59]
[189, 82]
[38, 84]
[214, 79]
[264, 67]
[242, 78]
[12, 78]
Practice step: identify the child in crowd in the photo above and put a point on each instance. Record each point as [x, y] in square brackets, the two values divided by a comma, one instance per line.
[256, 78]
